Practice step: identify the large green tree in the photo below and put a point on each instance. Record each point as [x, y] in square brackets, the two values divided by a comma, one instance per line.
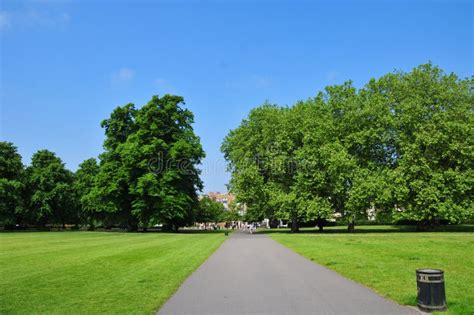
[328, 168]
[433, 116]
[84, 183]
[11, 185]
[247, 149]
[111, 193]
[401, 145]
[148, 171]
[163, 155]
[52, 200]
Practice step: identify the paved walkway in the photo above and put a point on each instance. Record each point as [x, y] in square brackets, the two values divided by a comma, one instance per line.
[252, 274]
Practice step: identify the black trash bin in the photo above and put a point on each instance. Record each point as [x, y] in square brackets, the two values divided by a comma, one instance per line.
[431, 293]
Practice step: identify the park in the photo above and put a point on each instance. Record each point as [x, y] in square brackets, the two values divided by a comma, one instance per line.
[55, 272]
[240, 158]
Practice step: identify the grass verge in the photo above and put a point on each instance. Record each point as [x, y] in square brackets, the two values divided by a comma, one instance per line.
[386, 262]
[94, 272]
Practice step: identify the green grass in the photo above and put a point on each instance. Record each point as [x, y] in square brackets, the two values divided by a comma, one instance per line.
[96, 272]
[385, 259]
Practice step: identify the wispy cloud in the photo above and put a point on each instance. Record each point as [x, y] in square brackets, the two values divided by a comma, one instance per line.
[33, 16]
[122, 75]
[5, 20]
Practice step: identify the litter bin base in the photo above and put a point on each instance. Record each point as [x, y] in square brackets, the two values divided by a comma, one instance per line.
[429, 309]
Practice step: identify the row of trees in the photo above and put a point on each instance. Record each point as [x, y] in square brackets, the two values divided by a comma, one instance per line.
[401, 146]
[211, 211]
[147, 174]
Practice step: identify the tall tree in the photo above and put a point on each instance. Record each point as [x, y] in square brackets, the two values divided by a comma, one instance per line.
[11, 184]
[51, 186]
[149, 168]
[111, 194]
[84, 183]
[433, 116]
[247, 150]
[327, 175]
[163, 156]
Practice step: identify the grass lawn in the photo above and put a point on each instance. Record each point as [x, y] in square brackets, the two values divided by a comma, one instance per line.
[96, 272]
[385, 259]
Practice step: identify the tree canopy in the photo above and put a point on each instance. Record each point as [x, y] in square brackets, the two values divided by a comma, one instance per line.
[52, 198]
[401, 145]
[147, 174]
[148, 170]
[11, 184]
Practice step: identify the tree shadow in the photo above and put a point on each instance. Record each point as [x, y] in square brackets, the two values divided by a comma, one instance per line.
[368, 229]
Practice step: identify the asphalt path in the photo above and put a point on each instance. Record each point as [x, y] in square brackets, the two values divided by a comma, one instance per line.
[253, 274]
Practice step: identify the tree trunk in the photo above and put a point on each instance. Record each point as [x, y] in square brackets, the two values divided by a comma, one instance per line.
[320, 224]
[422, 226]
[351, 227]
[132, 225]
[294, 225]
[91, 225]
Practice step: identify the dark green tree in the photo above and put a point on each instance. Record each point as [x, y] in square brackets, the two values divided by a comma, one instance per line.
[163, 155]
[84, 184]
[111, 194]
[149, 168]
[53, 200]
[11, 185]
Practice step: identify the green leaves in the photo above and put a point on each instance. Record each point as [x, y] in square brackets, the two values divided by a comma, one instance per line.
[210, 211]
[148, 171]
[50, 184]
[11, 184]
[402, 145]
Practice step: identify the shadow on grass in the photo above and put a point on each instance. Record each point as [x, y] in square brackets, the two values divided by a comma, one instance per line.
[118, 230]
[183, 231]
[366, 229]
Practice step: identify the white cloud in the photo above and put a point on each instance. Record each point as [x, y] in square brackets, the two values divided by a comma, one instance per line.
[33, 16]
[122, 75]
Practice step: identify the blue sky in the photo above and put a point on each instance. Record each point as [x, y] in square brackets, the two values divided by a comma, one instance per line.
[66, 64]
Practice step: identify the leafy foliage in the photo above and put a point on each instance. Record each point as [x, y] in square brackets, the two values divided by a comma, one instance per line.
[11, 184]
[403, 145]
[52, 197]
[148, 170]
[85, 180]
[210, 211]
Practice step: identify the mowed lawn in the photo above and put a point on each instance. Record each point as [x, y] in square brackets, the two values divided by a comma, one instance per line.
[386, 262]
[96, 272]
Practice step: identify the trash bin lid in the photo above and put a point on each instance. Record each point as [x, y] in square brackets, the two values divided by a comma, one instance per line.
[430, 271]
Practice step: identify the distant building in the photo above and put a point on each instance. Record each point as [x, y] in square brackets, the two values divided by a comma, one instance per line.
[225, 198]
